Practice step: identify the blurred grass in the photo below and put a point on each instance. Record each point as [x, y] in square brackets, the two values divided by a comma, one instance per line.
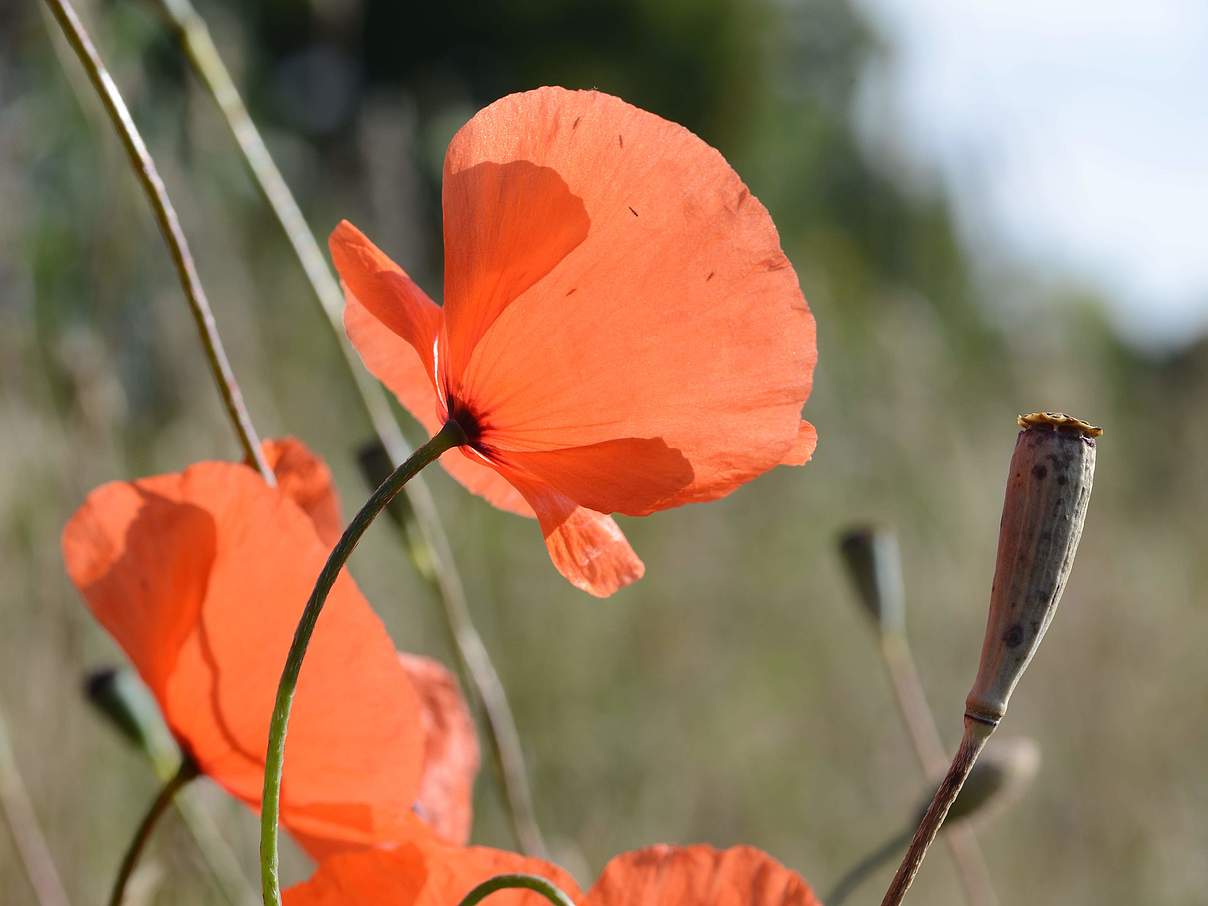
[734, 694]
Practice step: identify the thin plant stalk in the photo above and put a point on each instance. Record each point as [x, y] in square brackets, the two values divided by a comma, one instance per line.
[478, 673]
[232, 884]
[187, 772]
[169, 225]
[929, 751]
[536, 883]
[18, 814]
[972, 742]
[450, 436]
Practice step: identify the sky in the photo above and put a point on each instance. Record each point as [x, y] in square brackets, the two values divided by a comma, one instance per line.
[1074, 134]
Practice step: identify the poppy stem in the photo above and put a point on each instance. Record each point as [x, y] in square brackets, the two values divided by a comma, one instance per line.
[169, 225]
[474, 666]
[929, 750]
[188, 771]
[450, 436]
[972, 742]
[433, 558]
[543, 886]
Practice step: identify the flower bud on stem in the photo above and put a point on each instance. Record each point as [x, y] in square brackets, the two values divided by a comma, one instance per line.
[1048, 489]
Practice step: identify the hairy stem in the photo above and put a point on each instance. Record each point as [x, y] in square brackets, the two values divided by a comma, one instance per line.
[18, 813]
[972, 742]
[188, 771]
[451, 435]
[169, 225]
[929, 751]
[479, 676]
[546, 888]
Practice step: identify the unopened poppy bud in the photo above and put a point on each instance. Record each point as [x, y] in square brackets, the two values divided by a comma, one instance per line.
[1048, 489]
[121, 698]
[875, 566]
[1001, 774]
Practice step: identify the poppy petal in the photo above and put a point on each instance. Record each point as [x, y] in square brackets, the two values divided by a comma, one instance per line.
[201, 577]
[385, 289]
[587, 547]
[507, 225]
[698, 876]
[591, 477]
[451, 758]
[802, 450]
[389, 359]
[423, 873]
[678, 318]
[384, 878]
[306, 479]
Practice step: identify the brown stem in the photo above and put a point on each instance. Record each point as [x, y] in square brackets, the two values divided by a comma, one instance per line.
[972, 742]
[929, 751]
[169, 225]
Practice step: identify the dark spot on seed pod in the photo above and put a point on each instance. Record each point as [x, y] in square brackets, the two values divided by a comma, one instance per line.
[1039, 472]
[1062, 480]
[1014, 636]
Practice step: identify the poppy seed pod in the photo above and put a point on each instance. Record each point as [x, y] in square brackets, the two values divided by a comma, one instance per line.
[1045, 507]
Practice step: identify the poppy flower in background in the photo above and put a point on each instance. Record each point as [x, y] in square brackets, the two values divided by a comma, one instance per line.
[201, 576]
[428, 874]
[621, 331]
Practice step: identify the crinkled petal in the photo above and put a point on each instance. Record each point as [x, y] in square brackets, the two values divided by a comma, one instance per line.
[451, 758]
[201, 577]
[587, 547]
[677, 319]
[385, 289]
[698, 876]
[507, 225]
[306, 479]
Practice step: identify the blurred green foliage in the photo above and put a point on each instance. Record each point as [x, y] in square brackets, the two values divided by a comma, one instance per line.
[734, 694]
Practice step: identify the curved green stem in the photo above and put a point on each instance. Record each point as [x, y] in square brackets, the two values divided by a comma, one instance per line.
[543, 886]
[188, 770]
[451, 435]
[169, 225]
[477, 673]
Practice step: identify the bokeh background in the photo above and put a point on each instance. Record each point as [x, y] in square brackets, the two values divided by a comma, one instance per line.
[735, 694]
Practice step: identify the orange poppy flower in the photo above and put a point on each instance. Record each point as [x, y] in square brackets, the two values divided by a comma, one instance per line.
[427, 874]
[201, 576]
[621, 331]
